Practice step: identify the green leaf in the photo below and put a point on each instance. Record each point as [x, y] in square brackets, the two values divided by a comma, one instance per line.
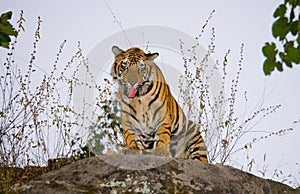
[279, 66]
[287, 45]
[4, 40]
[294, 28]
[280, 28]
[269, 51]
[294, 54]
[268, 67]
[6, 29]
[2, 114]
[293, 3]
[202, 106]
[286, 59]
[280, 11]
[284, 24]
[4, 44]
[5, 16]
[4, 37]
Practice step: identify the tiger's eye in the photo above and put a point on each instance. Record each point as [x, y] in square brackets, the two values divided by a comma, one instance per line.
[125, 65]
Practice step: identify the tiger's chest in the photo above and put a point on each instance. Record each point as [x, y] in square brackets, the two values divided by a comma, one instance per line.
[142, 118]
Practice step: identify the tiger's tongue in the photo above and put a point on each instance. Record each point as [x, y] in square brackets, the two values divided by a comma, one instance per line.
[131, 92]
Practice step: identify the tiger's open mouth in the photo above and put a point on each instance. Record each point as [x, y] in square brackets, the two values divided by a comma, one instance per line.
[132, 92]
[137, 91]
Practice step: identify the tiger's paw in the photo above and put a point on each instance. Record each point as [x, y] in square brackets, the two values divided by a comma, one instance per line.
[127, 151]
[111, 152]
[162, 151]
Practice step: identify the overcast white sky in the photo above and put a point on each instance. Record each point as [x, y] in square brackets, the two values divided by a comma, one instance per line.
[235, 22]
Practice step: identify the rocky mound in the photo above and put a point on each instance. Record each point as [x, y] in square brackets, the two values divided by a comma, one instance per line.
[149, 174]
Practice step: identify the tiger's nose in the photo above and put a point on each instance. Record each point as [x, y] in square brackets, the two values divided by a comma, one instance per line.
[132, 81]
[132, 77]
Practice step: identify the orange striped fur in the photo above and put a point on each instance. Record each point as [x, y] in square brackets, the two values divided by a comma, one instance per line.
[152, 121]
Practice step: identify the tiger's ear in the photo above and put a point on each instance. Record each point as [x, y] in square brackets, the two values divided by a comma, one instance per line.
[151, 56]
[116, 50]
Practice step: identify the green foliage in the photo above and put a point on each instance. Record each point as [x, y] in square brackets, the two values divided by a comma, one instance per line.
[106, 133]
[83, 152]
[286, 29]
[6, 29]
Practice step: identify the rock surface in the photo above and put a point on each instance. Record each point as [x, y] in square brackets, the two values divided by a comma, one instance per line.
[149, 174]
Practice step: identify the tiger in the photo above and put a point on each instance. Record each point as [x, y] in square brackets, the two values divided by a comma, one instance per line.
[152, 120]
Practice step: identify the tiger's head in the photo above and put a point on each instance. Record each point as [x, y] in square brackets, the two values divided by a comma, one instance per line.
[132, 70]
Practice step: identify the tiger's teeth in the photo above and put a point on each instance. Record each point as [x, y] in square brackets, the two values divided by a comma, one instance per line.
[131, 92]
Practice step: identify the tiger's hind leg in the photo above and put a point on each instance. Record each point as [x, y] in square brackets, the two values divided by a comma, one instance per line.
[189, 143]
[196, 148]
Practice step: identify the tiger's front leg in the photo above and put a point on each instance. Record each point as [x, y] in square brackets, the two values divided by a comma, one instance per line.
[133, 143]
[162, 144]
